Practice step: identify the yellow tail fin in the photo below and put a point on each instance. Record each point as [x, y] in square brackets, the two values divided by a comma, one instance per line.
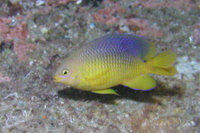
[162, 64]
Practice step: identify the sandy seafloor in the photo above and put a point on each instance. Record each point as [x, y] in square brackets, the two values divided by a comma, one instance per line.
[30, 102]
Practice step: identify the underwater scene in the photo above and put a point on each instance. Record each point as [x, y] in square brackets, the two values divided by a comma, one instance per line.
[99, 66]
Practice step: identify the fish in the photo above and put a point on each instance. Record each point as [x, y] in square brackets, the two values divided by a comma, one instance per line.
[115, 59]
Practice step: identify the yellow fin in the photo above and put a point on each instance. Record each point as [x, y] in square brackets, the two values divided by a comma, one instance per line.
[163, 60]
[98, 79]
[107, 91]
[142, 82]
[163, 71]
[151, 52]
[162, 64]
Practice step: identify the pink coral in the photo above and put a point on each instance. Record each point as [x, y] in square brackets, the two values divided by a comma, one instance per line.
[57, 2]
[150, 31]
[4, 29]
[141, 23]
[21, 48]
[106, 15]
[140, 26]
[4, 78]
[8, 33]
[183, 5]
[143, 27]
[19, 32]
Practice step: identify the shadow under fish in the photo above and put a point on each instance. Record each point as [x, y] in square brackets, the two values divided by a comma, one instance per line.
[139, 96]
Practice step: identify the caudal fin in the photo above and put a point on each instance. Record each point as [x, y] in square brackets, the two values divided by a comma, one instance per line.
[162, 64]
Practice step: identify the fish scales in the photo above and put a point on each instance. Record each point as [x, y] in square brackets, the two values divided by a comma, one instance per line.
[109, 55]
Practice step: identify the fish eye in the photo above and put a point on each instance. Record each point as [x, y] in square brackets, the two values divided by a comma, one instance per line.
[65, 72]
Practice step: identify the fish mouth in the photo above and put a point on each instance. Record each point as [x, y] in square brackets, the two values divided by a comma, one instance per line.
[57, 79]
[54, 80]
[74, 83]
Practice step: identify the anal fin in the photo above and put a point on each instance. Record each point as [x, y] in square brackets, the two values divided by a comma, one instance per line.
[142, 82]
[107, 91]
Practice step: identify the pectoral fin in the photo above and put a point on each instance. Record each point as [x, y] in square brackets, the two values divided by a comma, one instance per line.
[99, 78]
[142, 82]
[107, 91]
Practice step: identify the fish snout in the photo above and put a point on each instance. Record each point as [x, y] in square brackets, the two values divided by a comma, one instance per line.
[56, 79]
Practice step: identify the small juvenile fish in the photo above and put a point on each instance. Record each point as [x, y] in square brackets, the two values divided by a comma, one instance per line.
[115, 59]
